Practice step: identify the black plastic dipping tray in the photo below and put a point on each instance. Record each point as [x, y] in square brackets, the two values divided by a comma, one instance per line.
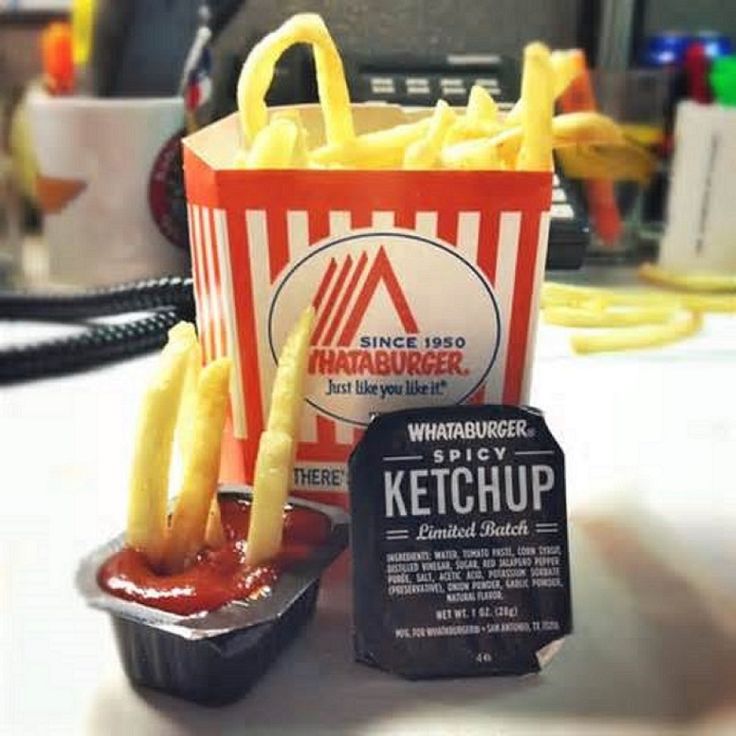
[213, 658]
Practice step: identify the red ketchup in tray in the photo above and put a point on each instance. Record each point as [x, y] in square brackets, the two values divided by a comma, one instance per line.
[218, 576]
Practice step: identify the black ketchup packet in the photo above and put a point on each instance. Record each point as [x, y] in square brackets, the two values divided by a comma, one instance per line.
[459, 539]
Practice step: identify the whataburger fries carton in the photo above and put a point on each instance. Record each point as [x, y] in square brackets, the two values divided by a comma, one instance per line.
[425, 285]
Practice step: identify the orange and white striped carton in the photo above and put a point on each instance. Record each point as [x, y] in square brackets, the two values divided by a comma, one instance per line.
[425, 285]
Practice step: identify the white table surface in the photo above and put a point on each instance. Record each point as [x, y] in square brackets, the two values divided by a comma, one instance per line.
[650, 440]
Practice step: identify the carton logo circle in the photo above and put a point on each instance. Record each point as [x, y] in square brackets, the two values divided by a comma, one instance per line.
[402, 321]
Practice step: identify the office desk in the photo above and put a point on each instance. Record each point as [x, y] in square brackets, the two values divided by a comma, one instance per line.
[650, 439]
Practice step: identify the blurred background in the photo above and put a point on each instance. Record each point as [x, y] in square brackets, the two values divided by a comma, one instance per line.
[636, 50]
[89, 87]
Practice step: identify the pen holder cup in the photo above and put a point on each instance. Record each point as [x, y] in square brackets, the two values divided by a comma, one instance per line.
[110, 186]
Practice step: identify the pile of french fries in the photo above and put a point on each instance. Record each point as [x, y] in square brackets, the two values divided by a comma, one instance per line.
[479, 137]
[635, 319]
[191, 402]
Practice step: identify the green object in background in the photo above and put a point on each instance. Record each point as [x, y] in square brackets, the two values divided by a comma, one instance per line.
[723, 80]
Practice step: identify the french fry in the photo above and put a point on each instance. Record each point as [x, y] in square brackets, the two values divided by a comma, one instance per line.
[288, 387]
[597, 317]
[535, 153]
[634, 338]
[580, 128]
[591, 297]
[481, 106]
[258, 70]
[618, 162]
[475, 154]
[189, 519]
[380, 149]
[149, 481]
[422, 154]
[565, 67]
[724, 303]
[696, 282]
[274, 146]
[465, 129]
[214, 533]
[277, 446]
[580, 296]
[186, 439]
[300, 153]
[271, 482]
[554, 294]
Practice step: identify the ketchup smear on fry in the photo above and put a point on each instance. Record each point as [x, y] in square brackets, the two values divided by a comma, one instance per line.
[219, 575]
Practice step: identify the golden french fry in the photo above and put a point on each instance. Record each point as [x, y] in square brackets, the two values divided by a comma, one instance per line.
[481, 106]
[591, 298]
[189, 520]
[635, 338]
[464, 129]
[619, 162]
[580, 128]
[287, 395]
[257, 74]
[566, 65]
[186, 438]
[422, 154]
[597, 317]
[380, 149]
[474, 154]
[555, 294]
[535, 153]
[725, 303]
[277, 446]
[214, 533]
[300, 153]
[697, 282]
[149, 481]
[274, 145]
[499, 151]
[271, 483]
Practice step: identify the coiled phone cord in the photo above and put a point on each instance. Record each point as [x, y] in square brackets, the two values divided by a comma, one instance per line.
[171, 299]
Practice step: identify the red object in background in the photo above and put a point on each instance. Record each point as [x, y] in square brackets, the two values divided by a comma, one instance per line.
[599, 194]
[697, 67]
[56, 58]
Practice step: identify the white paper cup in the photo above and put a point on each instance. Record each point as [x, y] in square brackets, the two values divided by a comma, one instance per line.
[107, 170]
[701, 210]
